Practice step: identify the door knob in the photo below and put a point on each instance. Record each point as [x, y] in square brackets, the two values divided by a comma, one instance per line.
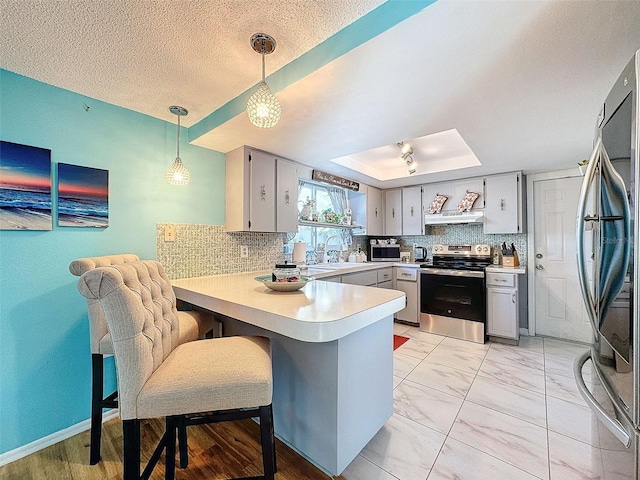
[538, 255]
[539, 267]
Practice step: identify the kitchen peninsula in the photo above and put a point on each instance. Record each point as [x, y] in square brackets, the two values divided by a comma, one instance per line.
[332, 356]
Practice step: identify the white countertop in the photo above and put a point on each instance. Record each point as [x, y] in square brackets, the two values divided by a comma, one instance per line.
[319, 312]
[502, 269]
[342, 268]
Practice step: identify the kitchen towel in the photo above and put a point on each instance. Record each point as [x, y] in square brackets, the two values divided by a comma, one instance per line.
[299, 252]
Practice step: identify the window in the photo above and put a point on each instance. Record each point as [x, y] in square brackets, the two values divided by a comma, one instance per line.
[324, 198]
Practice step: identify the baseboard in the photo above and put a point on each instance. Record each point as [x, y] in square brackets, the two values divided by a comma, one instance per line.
[44, 442]
[524, 331]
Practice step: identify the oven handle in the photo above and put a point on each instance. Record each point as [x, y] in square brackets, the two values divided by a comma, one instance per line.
[452, 273]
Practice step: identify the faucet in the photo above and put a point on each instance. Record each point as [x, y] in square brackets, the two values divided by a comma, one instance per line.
[326, 247]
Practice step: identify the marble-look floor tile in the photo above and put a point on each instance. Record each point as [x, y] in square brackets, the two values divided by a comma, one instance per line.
[400, 328]
[518, 376]
[514, 441]
[618, 465]
[563, 365]
[426, 406]
[363, 469]
[553, 346]
[424, 337]
[524, 404]
[443, 378]
[571, 420]
[415, 348]
[573, 460]
[462, 359]
[403, 364]
[404, 448]
[456, 343]
[396, 381]
[516, 357]
[559, 386]
[534, 344]
[462, 462]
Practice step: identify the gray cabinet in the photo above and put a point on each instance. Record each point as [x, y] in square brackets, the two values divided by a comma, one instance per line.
[393, 212]
[504, 203]
[261, 192]
[412, 217]
[406, 281]
[506, 303]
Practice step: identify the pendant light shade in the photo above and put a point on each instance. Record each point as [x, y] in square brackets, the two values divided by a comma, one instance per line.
[177, 174]
[263, 107]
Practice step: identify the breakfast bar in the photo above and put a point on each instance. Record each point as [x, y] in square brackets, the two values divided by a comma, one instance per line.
[332, 357]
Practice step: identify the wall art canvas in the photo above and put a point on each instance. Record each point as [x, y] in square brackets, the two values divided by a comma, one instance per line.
[83, 196]
[25, 187]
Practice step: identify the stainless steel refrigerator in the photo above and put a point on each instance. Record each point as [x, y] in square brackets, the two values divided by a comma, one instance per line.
[608, 222]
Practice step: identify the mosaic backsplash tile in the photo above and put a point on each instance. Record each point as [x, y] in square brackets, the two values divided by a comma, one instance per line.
[201, 250]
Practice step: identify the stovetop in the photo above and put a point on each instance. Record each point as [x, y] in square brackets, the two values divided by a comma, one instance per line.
[460, 257]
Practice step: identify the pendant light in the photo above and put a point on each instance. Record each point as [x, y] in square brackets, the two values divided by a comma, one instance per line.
[177, 174]
[263, 107]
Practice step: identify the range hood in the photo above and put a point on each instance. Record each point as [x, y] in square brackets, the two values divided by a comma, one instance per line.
[449, 218]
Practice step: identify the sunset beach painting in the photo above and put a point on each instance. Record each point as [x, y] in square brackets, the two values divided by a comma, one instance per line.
[83, 196]
[25, 187]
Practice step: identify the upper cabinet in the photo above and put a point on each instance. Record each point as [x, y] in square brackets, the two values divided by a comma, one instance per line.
[504, 203]
[286, 196]
[412, 217]
[393, 212]
[374, 211]
[455, 191]
[261, 192]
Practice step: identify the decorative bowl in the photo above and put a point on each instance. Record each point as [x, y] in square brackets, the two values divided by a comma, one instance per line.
[284, 286]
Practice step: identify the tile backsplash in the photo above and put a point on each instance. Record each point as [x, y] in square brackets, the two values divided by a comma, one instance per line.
[201, 250]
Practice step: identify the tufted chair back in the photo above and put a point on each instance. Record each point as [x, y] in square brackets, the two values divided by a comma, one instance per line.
[140, 310]
[98, 330]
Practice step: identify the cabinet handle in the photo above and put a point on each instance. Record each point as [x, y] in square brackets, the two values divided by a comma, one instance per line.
[393, 212]
[501, 280]
[286, 197]
[376, 212]
[513, 298]
[502, 204]
[263, 193]
[412, 211]
[405, 274]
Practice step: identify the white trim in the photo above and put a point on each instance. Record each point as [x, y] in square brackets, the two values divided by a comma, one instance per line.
[44, 442]
[531, 179]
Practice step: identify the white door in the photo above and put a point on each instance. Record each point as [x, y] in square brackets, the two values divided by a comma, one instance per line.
[559, 308]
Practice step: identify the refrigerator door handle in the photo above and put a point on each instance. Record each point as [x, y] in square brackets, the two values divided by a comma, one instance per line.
[612, 424]
[580, 228]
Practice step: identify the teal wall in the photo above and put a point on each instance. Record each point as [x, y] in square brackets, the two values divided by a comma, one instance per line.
[44, 335]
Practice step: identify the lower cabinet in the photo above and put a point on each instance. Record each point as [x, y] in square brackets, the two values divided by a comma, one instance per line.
[505, 294]
[406, 281]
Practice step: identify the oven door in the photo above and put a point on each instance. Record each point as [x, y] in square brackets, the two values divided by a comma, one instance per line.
[453, 303]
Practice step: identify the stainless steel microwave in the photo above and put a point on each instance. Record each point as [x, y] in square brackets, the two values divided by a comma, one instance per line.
[385, 253]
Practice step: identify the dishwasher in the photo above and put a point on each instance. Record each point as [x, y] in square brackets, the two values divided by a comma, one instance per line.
[407, 282]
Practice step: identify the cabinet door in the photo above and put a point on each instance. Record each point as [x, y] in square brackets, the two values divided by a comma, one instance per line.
[262, 200]
[286, 196]
[374, 211]
[388, 284]
[393, 212]
[503, 204]
[502, 312]
[412, 219]
[410, 312]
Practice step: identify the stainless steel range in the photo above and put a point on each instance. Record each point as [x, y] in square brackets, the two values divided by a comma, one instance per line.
[452, 292]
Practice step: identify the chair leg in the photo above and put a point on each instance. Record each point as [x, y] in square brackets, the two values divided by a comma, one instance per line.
[172, 424]
[182, 444]
[131, 440]
[268, 442]
[97, 391]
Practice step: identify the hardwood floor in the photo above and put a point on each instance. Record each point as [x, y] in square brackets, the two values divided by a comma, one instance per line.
[217, 451]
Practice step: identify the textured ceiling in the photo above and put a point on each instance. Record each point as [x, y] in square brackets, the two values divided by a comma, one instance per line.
[148, 54]
[521, 81]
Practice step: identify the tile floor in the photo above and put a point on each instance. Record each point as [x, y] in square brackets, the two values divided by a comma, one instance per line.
[467, 411]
